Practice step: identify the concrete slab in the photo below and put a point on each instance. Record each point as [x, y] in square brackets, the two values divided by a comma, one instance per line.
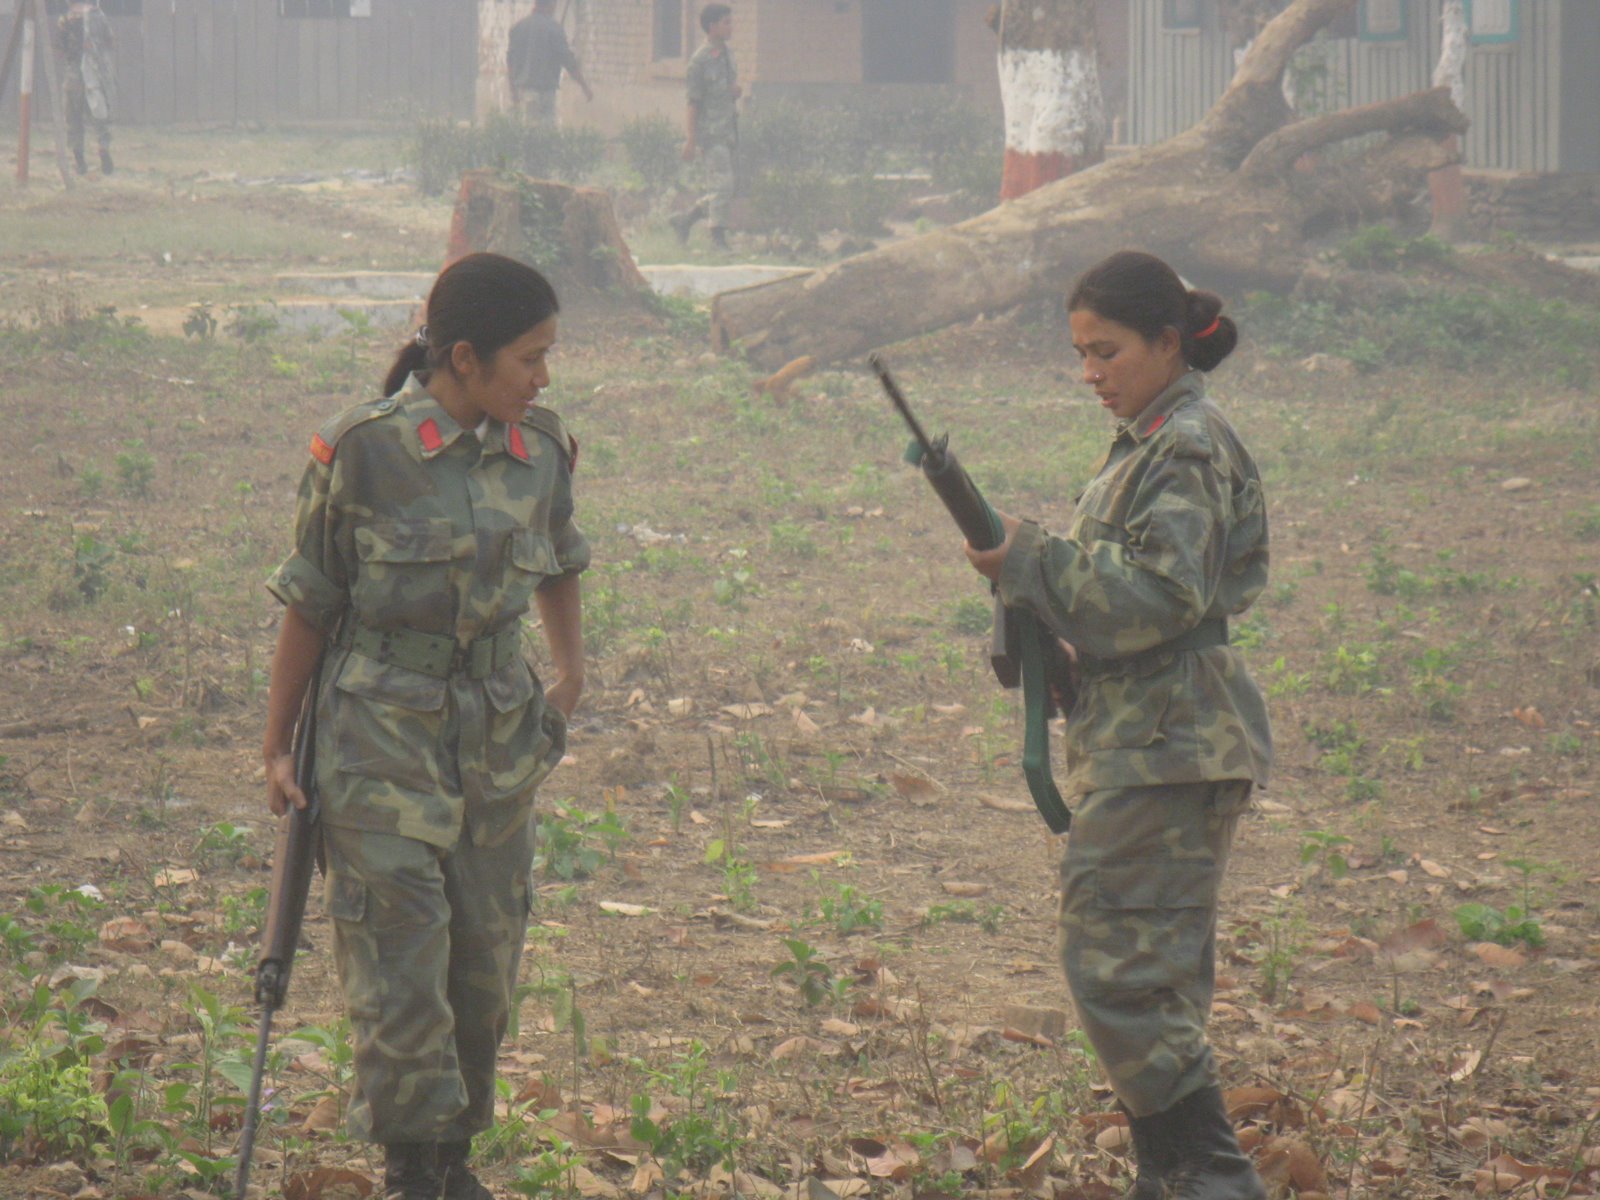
[375, 285]
[697, 281]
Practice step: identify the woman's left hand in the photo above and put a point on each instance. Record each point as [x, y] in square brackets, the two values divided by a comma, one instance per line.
[989, 562]
[563, 694]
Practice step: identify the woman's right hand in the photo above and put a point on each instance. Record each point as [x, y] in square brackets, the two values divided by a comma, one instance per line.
[282, 791]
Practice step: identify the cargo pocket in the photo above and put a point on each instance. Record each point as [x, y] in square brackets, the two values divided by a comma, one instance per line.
[1126, 711]
[515, 737]
[1149, 928]
[533, 560]
[356, 951]
[387, 722]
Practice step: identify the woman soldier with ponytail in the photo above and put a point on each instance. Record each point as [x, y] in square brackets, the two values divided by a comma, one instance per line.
[429, 521]
[1168, 734]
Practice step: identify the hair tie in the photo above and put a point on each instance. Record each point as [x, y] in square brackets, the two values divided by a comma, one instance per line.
[422, 336]
[1216, 322]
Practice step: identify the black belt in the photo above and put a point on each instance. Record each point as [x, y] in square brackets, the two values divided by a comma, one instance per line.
[1213, 632]
[434, 654]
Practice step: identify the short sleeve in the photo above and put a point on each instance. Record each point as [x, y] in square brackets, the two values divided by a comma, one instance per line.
[313, 579]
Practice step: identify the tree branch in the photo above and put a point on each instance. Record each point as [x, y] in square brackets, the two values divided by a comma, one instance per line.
[1253, 106]
[1431, 114]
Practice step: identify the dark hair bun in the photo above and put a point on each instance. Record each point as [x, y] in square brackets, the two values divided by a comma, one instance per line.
[1221, 335]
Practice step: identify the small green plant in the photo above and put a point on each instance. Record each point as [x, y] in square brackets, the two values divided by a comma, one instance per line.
[136, 469]
[64, 911]
[811, 975]
[1276, 949]
[846, 909]
[572, 843]
[1340, 744]
[1482, 923]
[91, 481]
[705, 1133]
[550, 1172]
[972, 615]
[739, 877]
[965, 912]
[49, 1104]
[223, 842]
[1327, 849]
[90, 558]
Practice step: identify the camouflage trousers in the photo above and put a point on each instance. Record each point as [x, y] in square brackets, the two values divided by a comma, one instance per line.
[721, 178]
[1138, 931]
[427, 943]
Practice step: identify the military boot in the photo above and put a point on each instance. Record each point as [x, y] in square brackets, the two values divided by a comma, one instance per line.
[409, 1172]
[105, 161]
[82, 163]
[459, 1182]
[1152, 1156]
[685, 221]
[1207, 1161]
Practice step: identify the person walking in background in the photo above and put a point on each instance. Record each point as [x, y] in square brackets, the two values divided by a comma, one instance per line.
[536, 54]
[427, 523]
[1169, 733]
[712, 125]
[90, 79]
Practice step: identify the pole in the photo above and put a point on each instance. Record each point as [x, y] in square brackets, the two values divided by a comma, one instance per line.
[25, 102]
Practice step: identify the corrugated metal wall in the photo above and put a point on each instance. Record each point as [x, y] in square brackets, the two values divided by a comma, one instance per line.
[198, 61]
[1514, 90]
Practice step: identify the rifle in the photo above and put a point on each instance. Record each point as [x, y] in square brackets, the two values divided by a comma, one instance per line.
[1019, 652]
[293, 861]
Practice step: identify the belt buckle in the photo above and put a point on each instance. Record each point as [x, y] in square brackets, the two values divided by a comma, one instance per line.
[459, 659]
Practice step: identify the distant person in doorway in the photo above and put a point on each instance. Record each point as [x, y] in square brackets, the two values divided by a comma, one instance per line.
[537, 54]
[713, 125]
[90, 83]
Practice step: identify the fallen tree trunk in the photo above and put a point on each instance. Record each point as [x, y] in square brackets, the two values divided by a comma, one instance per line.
[1230, 201]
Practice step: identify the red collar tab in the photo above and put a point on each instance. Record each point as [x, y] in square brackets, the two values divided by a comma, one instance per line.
[515, 444]
[320, 450]
[428, 431]
[1155, 425]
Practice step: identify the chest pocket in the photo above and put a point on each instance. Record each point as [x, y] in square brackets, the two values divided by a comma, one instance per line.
[404, 575]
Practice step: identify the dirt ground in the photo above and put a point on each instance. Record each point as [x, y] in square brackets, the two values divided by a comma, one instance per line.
[794, 907]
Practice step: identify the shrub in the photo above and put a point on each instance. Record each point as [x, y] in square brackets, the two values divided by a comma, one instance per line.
[652, 145]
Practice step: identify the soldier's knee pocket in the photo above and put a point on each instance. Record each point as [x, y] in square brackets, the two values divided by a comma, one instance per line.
[1143, 926]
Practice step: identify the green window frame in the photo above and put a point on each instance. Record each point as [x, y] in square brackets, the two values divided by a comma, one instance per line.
[1385, 31]
[1510, 31]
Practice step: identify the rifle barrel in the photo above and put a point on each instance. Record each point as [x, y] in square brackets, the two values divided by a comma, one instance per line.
[934, 451]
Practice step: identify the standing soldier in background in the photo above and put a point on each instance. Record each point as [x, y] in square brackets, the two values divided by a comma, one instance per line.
[536, 54]
[713, 124]
[91, 79]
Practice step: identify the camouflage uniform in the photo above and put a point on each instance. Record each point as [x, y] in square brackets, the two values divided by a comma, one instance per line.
[711, 78]
[91, 80]
[418, 548]
[1167, 736]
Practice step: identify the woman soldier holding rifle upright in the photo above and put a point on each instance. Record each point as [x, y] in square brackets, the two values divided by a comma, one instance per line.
[1169, 733]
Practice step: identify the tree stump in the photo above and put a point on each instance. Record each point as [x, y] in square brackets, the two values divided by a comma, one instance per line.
[568, 233]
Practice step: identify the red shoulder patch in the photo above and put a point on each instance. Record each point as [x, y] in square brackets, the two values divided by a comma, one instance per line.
[514, 442]
[1155, 425]
[320, 450]
[428, 431]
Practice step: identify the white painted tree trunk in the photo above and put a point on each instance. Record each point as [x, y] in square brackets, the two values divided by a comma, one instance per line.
[1446, 187]
[1451, 71]
[1050, 87]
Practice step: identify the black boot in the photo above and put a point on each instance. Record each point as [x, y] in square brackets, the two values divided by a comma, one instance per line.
[1207, 1161]
[82, 163]
[409, 1172]
[685, 221]
[459, 1182]
[105, 161]
[1152, 1155]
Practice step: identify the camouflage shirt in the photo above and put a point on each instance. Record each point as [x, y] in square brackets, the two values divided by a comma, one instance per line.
[407, 522]
[1171, 531]
[711, 78]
